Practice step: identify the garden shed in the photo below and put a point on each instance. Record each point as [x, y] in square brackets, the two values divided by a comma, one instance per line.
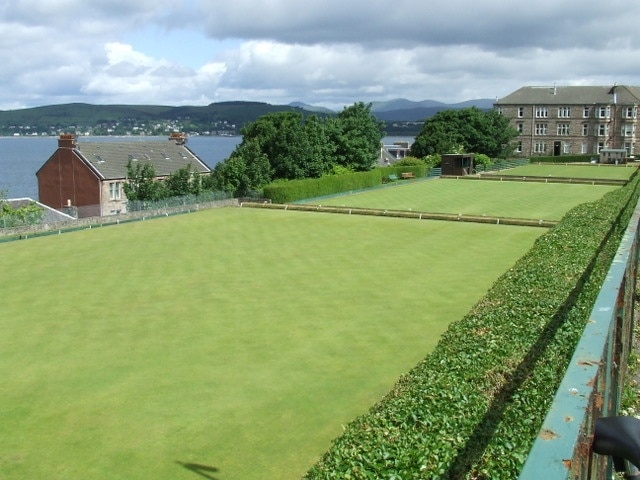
[457, 164]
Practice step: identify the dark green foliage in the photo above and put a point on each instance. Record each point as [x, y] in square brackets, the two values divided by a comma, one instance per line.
[357, 135]
[472, 408]
[293, 190]
[286, 146]
[478, 131]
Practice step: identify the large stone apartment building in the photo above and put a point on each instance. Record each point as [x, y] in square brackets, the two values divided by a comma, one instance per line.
[562, 120]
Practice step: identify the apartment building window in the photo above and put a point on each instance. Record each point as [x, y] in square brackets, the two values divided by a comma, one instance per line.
[585, 129]
[584, 148]
[604, 112]
[566, 148]
[600, 146]
[586, 112]
[628, 146]
[563, 129]
[542, 112]
[541, 129]
[603, 129]
[629, 112]
[540, 147]
[628, 130]
[520, 127]
[564, 112]
[519, 147]
[520, 112]
[115, 189]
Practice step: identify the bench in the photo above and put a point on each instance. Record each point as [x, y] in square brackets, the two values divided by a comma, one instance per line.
[393, 177]
[406, 175]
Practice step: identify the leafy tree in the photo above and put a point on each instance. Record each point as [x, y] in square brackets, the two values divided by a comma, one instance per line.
[184, 181]
[357, 134]
[246, 171]
[141, 183]
[484, 132]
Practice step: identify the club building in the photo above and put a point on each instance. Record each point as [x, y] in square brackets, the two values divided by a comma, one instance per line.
[561, 120]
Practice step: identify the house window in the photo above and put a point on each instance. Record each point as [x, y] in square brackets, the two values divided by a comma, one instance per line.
[600, 146]
[499, 110]
[541, 129]
[566, 148]
[519, 147]
[604, 112]
[540, 147]
[520, 112]
[628, 146]
[629, 112]
[586, 112]
[585, 129]
[563, 129]
[628, 130]
[115, 189]
[520, 127]
[603, 129]
[584, 148]
[542, 112]
[564, 112]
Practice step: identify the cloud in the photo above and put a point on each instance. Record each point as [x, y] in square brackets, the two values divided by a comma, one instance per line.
[325, 52]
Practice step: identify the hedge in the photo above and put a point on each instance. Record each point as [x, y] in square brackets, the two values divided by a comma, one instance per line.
[473, 407]
[293, 190]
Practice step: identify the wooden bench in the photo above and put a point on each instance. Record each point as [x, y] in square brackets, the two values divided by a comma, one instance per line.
[406, 175]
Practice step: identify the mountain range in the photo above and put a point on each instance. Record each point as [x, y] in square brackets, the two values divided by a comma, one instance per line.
[403, 110]
[222, 116]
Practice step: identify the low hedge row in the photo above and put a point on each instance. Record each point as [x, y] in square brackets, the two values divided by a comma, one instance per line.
[293, 190]
[582, 158]
[473, 407]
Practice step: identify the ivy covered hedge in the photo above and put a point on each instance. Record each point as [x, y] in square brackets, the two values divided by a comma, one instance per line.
[293, 190]
[473, 407]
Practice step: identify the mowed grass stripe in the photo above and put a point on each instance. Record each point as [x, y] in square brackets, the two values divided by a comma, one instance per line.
[597, 171]
[538, 201]
[238, 339]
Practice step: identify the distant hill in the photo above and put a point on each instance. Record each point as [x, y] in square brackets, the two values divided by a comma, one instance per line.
[221, 118]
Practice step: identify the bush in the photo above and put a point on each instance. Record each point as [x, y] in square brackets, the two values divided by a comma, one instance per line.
[565, 159]
[473, 407]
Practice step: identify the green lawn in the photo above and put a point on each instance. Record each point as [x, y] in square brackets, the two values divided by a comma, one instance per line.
[539, 201]
[596, 171]
[226, 344]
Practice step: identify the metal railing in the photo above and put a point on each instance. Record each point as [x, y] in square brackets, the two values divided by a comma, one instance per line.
[592, 385]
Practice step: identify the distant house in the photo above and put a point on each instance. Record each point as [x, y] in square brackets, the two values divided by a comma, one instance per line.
[389, 154]
[88, 178]
[562, 120]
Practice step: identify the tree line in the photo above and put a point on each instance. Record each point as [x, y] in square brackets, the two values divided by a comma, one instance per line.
[286, 145]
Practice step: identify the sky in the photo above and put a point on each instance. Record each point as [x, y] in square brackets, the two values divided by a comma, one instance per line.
[329, 53]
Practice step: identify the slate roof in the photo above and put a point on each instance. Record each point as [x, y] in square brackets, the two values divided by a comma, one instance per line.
[109, 159]
[572, 95]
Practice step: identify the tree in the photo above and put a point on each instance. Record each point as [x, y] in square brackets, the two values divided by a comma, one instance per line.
[243, 173]
[184, 181]
[141, 183]
[485, 132]
[357, 134]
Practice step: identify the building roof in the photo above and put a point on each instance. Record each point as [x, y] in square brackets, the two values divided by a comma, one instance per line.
[572, 95]
[110, 159]
[49, 215]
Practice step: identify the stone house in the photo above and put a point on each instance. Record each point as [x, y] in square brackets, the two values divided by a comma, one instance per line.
[561, 120]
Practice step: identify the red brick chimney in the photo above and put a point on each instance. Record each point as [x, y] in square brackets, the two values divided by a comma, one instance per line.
[67, 140]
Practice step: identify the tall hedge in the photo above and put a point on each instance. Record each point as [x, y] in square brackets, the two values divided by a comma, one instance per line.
[473, 407]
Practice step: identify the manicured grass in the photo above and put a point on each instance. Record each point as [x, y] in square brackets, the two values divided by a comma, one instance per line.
[238, 340]
[597, 171]
[539, 201]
